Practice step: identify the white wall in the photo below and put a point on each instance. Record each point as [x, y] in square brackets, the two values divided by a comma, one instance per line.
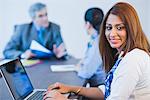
[67, 13]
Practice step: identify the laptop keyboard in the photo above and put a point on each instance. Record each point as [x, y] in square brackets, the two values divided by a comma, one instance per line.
[38, 95]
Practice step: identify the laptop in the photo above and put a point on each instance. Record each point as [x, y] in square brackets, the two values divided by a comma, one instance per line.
[18, 82]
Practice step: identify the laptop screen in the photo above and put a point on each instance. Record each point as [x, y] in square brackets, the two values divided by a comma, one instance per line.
[17, 79]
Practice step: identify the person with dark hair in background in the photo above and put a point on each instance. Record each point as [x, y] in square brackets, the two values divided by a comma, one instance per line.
[125, 53]
[90, 67]
[40, 29]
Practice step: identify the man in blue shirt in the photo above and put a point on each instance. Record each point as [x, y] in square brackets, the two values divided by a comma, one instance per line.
[40, 29]
[90, 67]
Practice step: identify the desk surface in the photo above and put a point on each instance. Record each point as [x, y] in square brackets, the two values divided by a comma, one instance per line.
[41, 76]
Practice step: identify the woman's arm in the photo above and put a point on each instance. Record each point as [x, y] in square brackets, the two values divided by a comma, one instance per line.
[94, 93]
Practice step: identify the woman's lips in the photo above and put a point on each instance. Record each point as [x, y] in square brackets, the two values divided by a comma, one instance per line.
[114, 41]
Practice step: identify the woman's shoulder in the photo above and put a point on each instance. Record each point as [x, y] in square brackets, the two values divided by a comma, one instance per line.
[135, 60]
[137, 55]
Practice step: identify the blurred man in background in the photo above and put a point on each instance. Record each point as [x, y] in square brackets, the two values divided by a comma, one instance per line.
[41, 30]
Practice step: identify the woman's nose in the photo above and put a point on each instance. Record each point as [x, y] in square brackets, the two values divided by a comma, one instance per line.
[113, 32]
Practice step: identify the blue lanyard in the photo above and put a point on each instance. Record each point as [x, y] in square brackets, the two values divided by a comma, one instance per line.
[109, 78]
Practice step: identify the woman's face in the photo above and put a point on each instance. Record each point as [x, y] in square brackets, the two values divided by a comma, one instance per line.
[115, 32]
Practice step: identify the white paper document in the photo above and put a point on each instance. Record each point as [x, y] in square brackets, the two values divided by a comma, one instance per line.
[61, 68]
[39, 50]
[37, 46]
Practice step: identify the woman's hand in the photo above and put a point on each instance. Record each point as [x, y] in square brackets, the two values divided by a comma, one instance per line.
[62, 88]
[54, 95]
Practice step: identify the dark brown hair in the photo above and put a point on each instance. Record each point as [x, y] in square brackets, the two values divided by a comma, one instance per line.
[135, 35]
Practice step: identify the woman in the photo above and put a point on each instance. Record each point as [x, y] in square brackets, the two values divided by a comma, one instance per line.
[126, 56]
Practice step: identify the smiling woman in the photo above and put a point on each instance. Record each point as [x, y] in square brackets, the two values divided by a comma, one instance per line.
[115, 31]
[126, 58]
[130, 35]
[122, 36]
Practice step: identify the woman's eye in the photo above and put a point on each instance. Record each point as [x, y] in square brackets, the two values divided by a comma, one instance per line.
[108, 28]
[120, 28]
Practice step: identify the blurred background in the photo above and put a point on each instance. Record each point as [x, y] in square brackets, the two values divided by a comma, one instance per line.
[69, 14]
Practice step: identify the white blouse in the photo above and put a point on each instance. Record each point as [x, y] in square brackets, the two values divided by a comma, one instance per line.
[131, 78]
